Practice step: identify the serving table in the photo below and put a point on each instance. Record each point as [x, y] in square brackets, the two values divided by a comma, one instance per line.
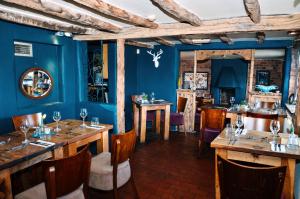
[254, 147]
[140, 114]
[15, 157]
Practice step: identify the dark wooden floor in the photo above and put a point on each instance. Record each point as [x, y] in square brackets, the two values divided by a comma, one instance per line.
[169, 169]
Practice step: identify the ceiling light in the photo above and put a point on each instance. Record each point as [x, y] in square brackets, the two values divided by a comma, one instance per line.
[294, 32]
[68, 34]
[60, 34]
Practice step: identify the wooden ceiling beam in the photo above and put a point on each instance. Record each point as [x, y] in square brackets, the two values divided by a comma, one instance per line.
[102, 7]
[163, 41]
[260, 37]
[183, 39]
[177, 11]
[218, 26]
[138, 44]
[11, 16]
[253, 10]
[225, 39]
[62, 12]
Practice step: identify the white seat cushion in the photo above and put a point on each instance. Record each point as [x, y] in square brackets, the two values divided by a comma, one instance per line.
[101, 176]
[39, 191]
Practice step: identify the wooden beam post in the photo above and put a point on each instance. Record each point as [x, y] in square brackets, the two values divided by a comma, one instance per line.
[115, 12]
[218, 26]
[253, 10]
[138, 44]
[63, 12]
[177, 11]
[163, 41]
[251, 75]
[15, 17]
[120, 85]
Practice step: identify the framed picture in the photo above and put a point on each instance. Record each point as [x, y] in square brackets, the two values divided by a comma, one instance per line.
[200, 82]
[263, 77]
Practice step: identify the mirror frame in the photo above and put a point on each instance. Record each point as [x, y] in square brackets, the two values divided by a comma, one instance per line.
[31, 70]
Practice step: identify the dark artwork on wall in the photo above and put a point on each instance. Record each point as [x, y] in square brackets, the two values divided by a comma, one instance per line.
[263, 77]
[201, 82]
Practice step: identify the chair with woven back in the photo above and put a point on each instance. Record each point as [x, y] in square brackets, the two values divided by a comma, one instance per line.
[65, 178]
[109, 171]
[239, 180]
[212, 121]
[33, 120]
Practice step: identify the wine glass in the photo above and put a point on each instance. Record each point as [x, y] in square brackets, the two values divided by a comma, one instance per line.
[276, 105]
[83, 114]
[231, 100]
[56, 118]
[275, 127]
[239, 122]
[24, 128]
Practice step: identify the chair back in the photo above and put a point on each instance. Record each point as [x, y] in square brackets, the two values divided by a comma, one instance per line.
[33, 120]
[213, 118]
[258, 124]
[63, 176]
[262, 115]
[247, 182]
[266, 105]
[181, 104]
[123, 146]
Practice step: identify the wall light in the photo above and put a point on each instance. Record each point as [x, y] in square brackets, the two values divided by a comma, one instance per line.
[61, 34]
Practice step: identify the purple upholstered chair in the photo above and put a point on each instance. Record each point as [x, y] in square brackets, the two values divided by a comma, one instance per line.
[177, 119]
[212, 123]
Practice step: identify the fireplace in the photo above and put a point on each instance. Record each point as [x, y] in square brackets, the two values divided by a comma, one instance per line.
[226, 94]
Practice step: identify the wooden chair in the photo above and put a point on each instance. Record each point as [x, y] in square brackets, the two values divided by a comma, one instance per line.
[64, 178]
[212, 121]
[33, 119]
[109, 171]
[262, 115]
[239, 181]
[259, 124]
[177, 119]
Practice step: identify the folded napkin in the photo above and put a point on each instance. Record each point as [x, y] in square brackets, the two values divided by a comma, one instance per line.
[42, 143]
[95, 127]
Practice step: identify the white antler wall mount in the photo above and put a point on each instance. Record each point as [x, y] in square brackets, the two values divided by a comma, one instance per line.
[156, 57]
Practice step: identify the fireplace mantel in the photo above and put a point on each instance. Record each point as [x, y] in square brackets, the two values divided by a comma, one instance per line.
[265, 97]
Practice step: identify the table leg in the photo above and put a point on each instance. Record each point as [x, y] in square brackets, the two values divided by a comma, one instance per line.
[143, 124]
[167, 123]
[102, 144]
[289, 182]
[58, 153]
[136, 119]
[222, 153]
[157, 122]
[5, 180]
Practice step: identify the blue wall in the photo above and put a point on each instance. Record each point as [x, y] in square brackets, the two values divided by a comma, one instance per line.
[240, 69]
[65, 59]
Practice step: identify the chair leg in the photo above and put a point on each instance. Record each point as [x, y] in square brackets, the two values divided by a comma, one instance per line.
[115, 186]
[184, 129]
[153, 125]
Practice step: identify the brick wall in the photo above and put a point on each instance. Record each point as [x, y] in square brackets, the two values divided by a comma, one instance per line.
[274, 66]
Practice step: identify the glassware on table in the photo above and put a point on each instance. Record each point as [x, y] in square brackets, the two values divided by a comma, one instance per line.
[293, 142]
[56, 118]
[228, 130]
[83, 115]
[275, 127]
[239, 122]
[25, 128]
[152, 97]
[231, 100]
[95, 121]
[255, 104]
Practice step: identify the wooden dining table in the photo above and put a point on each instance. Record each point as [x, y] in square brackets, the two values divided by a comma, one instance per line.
[140, 117]
[14, 156]
[255, 147]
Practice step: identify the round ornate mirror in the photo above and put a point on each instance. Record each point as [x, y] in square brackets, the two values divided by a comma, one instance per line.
[36, 83]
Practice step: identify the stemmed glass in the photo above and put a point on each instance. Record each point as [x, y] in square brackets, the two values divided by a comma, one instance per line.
[276, 105]
[239, 122]
[83, 114]
[24, 128]
[56, 118]
[275, 127]
[232, 100]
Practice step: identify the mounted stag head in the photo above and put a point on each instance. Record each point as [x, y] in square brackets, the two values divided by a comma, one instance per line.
[156, 57]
